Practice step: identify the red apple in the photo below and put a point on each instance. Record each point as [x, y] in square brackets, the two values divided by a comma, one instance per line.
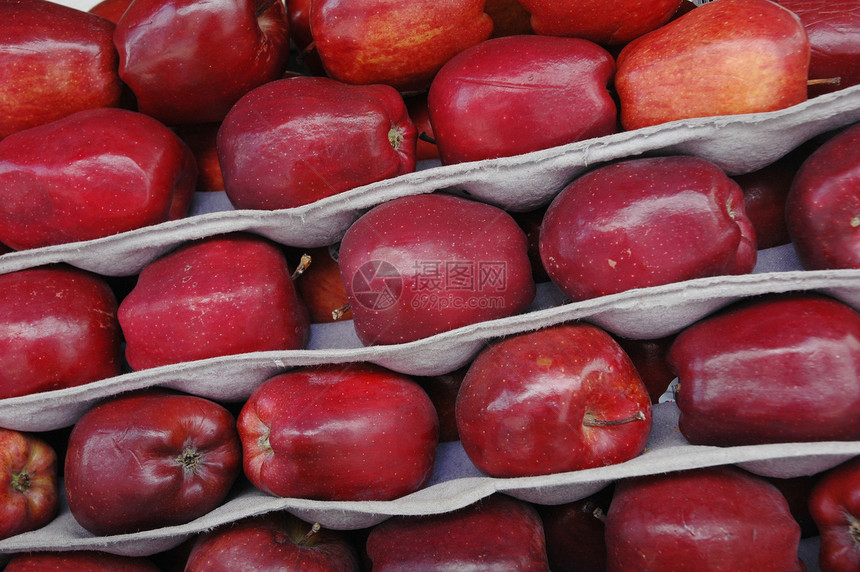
[822, 209]
[297, 140]
[442, 390]
[722, 58]
[517, 94]
[575, 538]
[150, 459]
[649, 357]
[110, 9]
[92, 174]
[78, 561]
[509, 18]
[321, 288]
[426, 148]
[559, 399]
[339, 432]
[201, 139]
[601, 21]
[402, 44]
[55, 61]
[495, 533]
[58, 329]
[833, 27]
[222, 295]
[273, 541]
[717, 518]
[531, 221]
[765, 191]
[29, 494]
[834, 504]
[420, 265]
[645, 222]
[189, 62]
[752, 373]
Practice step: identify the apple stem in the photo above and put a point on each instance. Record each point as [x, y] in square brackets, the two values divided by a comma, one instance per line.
[425, 137]
[304, 264]
[591, 421]
[314, 529]
[21, 481]
[339, 313]
[825, 81]
[599, 514]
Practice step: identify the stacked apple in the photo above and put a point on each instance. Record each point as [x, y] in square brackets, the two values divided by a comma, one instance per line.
[76, 166]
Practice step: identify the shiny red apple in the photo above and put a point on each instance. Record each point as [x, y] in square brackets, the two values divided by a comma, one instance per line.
[297, 140]
[58, 329]
[560, 399]
[420, 265]
[150, 459]
[645, 222]
[29, 490]
[92, 174]
[517, 94]
[189, 62]
[55, 60]
[834, 504]
[222, 295]
[339, 432]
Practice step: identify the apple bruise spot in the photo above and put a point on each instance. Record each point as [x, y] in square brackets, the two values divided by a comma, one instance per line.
[189, 458]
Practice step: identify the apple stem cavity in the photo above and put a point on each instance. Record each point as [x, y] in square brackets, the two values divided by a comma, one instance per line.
[314, 529]
[304, 264]
[189, 458]
[339, 313]
[21, 482]
[590, 420]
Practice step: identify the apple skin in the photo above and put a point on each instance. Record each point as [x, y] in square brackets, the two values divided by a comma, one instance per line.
[495, 533]
[222, 295]
[604, 22]
[516, 94]
[722, 58]
[92, 174]
[219, 50]
[765, 355]
[74, 67]
[716, 518]
[150, 459]
[560, 399]
[201, 139]
[401, 44]
[509, 18]
[273, 541]
[765, 193]
[321, 288]
[111, 10]
[420, 265]
[339, 432]
[58, 329]
[426, 148]
[442, 390]
[649, 357]
[822, 210]
[78, 561]
[300, 139]
[833, 27]
[575, 538]
[629, 225]
[834, 505]
[29, 493]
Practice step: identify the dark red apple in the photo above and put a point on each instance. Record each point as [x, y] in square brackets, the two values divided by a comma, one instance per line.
[321, 288]
[297, 140]
[495, 533]
[559, 399]
[833, 27]
[189, 62]
[110, 9]
[29, 493]
[402, 44]
[273, 541]
[420, 265]
[530, 221]
[150, 459]
[92, 174]
[201, 139]
[645, 222]
[56, 60]
[834, 504]
[717, 518]
[575, 539]
[509, 18]
[722, 58]
[765, 192]
[339, 432]
[649, 358]
[517, 94]
[78, 561]
[822, 209]
[752, 373]
[442, 390]
[222, 295]
[58, 329]
[426, 148]
[605, 22]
